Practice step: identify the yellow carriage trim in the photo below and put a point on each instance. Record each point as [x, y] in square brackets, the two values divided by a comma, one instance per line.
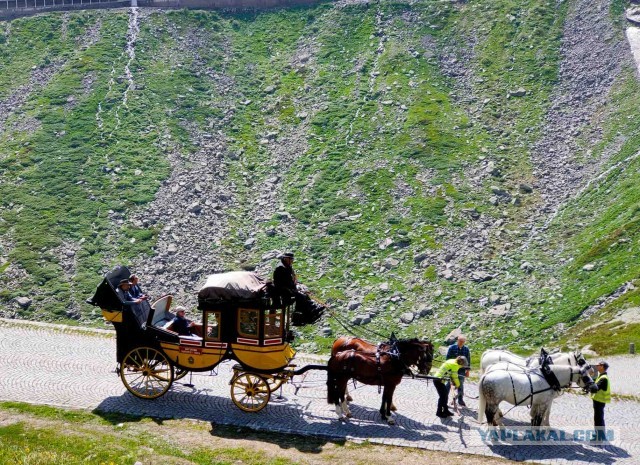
[194, 356]
[271, 358]
[112, 316]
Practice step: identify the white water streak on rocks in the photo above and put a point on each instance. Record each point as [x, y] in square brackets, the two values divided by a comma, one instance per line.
[132, 36]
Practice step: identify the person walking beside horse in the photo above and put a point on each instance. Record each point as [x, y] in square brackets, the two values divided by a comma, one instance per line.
[455, 350]
[448, 372]
[601, 395]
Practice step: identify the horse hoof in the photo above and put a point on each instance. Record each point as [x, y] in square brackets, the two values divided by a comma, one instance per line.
[348, 415]
[349, 399]
[393, 408]
[391, 421]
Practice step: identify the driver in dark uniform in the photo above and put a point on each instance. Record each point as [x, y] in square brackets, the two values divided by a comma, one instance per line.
[290, 290]
[284, 278]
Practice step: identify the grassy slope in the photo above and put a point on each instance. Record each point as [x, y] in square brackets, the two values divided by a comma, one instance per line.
[386, 146]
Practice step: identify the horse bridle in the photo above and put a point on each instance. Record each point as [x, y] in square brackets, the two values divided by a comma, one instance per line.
[583, 374]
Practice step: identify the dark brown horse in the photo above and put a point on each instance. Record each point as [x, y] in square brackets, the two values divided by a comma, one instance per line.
[355, 343]
[384, 366]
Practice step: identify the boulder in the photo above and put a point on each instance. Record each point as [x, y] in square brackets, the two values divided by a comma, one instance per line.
[391, 263]
[519, 92]
[326, 331]
[453, 336]
[500, 310]
[425, 311]
[525, 188]
[588, 351]
[527, 267]
[407, 317]
[589, 267]
[419, 258]
[270, 255]
[361, 320]
[353, 305]
[481, 276]
[633, 15]
[23, 302]
[447, 274]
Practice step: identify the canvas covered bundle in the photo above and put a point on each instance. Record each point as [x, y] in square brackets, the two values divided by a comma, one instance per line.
[234, 285]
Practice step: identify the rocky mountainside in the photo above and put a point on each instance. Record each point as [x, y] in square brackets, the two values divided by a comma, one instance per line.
[436, 166]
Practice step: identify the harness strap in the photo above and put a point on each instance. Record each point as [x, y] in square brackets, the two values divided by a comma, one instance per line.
[514, 389]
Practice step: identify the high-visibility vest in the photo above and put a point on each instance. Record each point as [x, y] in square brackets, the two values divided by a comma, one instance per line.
[447, 369]
[603, 395]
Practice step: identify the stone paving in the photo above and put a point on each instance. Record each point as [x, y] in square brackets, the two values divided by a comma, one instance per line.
[61, 366]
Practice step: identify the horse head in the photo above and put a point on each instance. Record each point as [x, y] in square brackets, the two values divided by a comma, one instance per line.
[586, 381]
[416, 352]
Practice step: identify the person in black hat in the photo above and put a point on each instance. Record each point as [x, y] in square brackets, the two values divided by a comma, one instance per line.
[290, 290]
[601, 395]
[124, 292]
[284, 278]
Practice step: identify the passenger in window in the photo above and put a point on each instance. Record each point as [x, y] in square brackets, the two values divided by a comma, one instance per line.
[181, 324]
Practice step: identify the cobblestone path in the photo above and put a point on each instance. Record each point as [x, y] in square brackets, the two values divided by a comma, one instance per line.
[67, 367]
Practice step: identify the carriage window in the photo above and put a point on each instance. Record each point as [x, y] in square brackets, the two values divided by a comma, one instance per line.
[273, 323]
[212, 325]
[248, 322]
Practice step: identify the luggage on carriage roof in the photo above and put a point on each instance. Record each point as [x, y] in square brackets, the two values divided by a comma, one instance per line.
[234, 285]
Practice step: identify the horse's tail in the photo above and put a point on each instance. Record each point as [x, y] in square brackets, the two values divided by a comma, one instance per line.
[482, 402]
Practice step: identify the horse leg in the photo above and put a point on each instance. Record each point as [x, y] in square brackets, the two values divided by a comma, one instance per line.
[537, 415]
[547, 414]
[336, 387]
[387, 401]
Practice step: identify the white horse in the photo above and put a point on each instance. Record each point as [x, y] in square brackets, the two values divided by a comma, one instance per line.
[491, 356]
[527, 387]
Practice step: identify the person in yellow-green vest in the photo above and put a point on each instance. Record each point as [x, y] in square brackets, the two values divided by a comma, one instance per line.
[601, 395]
[448, 372]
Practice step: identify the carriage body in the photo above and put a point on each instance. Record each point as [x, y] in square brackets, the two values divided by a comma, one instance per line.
[246, 325]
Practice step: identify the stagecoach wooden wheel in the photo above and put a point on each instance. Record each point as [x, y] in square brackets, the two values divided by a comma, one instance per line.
[250, 392]
[146, 373]
[274, 383]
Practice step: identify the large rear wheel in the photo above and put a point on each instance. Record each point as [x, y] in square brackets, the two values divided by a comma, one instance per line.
[250, 392]
[146, 373]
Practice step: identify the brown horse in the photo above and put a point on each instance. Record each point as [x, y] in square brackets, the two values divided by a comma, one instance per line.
[383, 367]
[355, 343]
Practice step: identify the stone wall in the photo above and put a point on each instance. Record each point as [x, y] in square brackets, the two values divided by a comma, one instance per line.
[10, 9]
[224, 4]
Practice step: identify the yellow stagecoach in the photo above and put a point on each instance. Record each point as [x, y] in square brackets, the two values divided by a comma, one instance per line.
[241, 321]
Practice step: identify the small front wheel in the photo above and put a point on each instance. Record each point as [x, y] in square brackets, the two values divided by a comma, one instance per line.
[146, 373]
[250, 392]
